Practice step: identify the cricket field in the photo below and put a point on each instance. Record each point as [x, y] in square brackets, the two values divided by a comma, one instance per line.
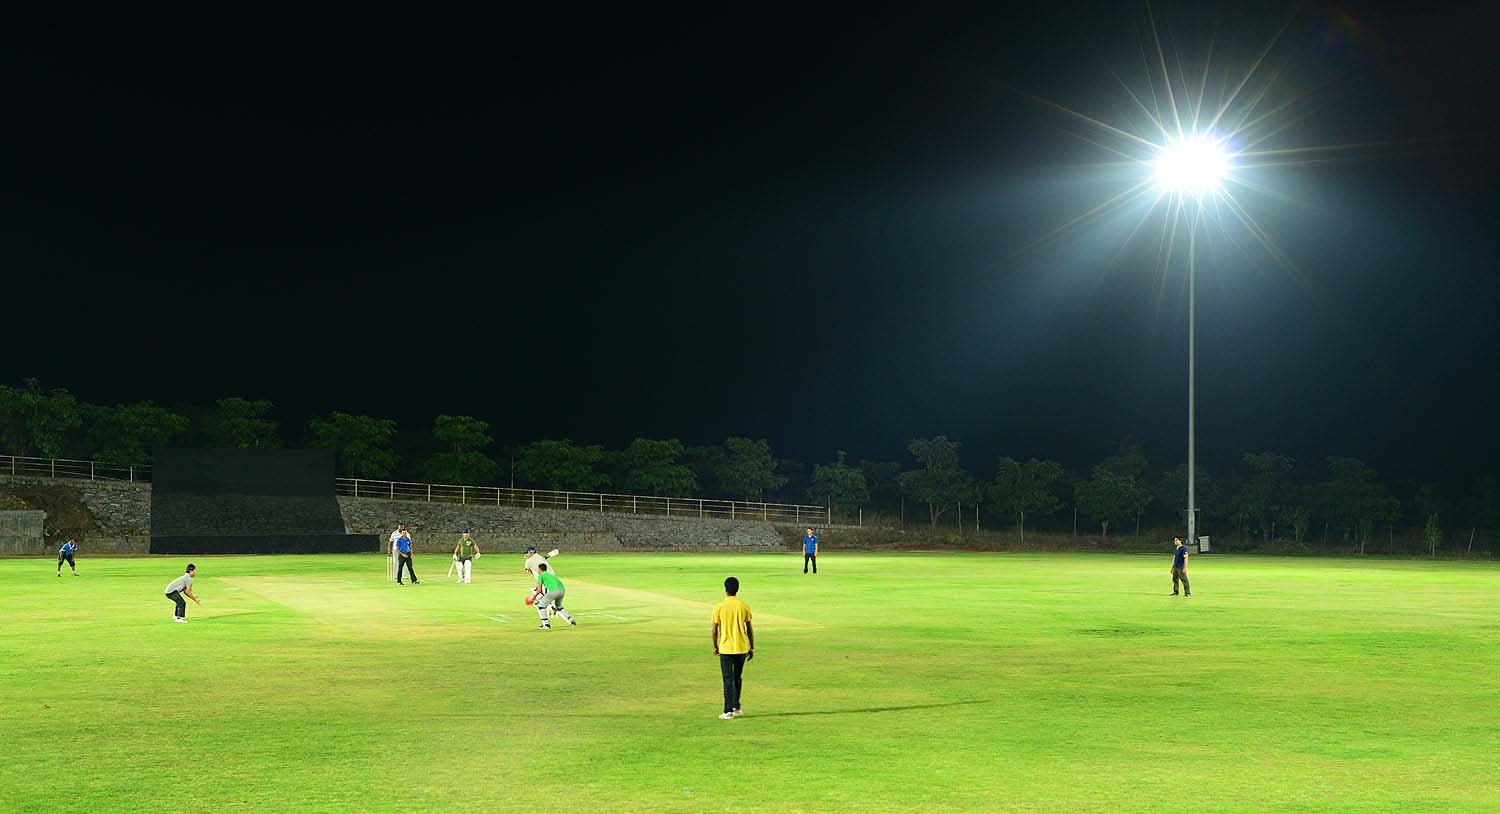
[912, 682]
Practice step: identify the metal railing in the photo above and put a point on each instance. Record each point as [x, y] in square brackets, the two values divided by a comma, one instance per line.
[583, 501]
[463, 495]
[68, 468]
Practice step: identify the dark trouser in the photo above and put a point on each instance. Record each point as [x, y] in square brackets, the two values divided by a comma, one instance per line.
[404, 562]
[1180, 574]
[732, 665]
[809, 558]
[181, 612]
[68, 558]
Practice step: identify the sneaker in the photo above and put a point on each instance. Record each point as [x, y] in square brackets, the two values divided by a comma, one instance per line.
[75, 573]
[59, 573]
[179, 619]
[738, 713]
[544, 626]
[1174, 593]
[1187, 594]
[415, 582]
[726, 716]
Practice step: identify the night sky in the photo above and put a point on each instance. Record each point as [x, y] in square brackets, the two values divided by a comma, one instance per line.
[815, 227]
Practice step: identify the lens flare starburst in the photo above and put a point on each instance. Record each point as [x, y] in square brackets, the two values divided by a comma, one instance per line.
[1195, 143]
[1193, 167]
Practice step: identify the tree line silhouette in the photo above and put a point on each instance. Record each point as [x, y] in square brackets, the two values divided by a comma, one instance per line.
[1265, 498]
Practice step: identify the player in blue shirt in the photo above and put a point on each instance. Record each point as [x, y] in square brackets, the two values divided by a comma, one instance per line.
[403, 558]
[810, 551]
[66, 553]
[1179, 567]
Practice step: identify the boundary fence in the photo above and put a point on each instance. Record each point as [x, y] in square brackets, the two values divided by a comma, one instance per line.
[783, 513]
[69, 468]
[600, 502]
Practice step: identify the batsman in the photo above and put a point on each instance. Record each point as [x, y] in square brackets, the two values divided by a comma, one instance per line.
[533, 560]
[464, 554]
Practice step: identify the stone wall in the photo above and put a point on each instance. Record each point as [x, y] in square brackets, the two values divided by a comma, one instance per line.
[21, 532]
[107, 517]
[435, 527]
[115, 517]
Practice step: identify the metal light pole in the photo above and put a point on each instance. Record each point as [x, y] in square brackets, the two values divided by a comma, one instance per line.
[1191, 167]
[1192, 457]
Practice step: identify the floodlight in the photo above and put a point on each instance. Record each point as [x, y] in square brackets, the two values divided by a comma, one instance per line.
[1192, 166]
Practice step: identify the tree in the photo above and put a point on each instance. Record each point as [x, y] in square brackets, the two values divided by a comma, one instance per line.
[1428, 499]
[36, 421]
[1024, 488]
[1129, 459]
[1484, 509]
[839, 486]
[362, 445]
[1432, 535]
[796, 479]
[561, 465]
[462, 463]
[1109, 496]
[1171, 492]
[1351, 496]
[706, 463]
[749, 469]
[654, 467]
[884, 480]
[462, 433]
[126, 434]
[1268, 493]
[941, 482]
[237, 423]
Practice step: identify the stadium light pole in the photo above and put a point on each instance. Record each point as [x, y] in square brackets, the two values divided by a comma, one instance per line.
[1191, 171]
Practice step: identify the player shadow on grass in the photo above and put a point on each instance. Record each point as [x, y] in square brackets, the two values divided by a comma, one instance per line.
[861, 710]
[636, 716]
[226, 615]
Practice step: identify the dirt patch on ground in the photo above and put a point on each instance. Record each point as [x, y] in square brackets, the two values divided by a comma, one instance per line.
[66, 514]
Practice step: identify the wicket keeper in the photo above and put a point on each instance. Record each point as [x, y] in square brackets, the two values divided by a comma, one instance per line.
[551, 599]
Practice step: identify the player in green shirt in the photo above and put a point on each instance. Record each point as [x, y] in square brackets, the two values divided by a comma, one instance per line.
[464, 554]
[551, 590]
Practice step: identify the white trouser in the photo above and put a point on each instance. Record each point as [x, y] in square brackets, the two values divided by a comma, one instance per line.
[465, 569]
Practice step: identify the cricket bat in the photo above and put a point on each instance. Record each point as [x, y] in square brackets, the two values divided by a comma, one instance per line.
[552, 553]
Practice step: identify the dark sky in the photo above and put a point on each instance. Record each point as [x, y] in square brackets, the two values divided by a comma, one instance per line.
[813, 226]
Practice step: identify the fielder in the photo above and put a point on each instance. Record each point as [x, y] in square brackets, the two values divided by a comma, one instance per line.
[551, 599]
[1180, 553]
[66, 554]
[175, 590]
[464, 555]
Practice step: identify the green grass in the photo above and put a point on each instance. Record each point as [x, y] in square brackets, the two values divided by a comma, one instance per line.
[890, 682]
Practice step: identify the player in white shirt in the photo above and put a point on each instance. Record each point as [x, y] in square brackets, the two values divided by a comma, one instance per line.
[534, 559]
[177, 588]
[392, 556]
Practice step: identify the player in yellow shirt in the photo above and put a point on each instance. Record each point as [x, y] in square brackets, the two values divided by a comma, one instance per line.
[734, 644]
